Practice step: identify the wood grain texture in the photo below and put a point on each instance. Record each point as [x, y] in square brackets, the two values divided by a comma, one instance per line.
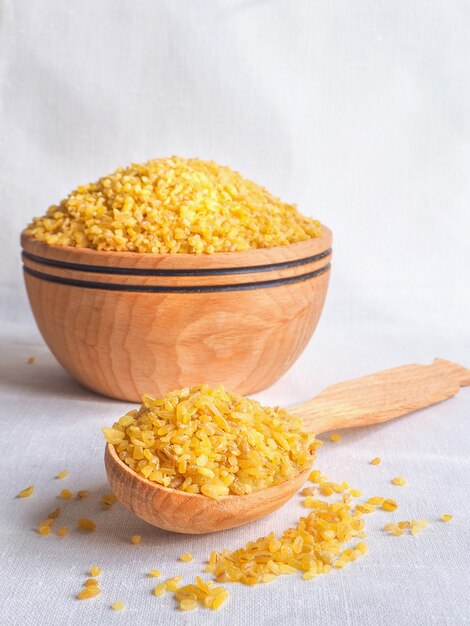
[359, 402]
[123, 344]
[383, 396]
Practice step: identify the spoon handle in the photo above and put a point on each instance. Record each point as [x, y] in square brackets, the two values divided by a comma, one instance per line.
[382, 396]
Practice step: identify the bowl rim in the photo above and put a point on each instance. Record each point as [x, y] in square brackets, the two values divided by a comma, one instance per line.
[305, 251]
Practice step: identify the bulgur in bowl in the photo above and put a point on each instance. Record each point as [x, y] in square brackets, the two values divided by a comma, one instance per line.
[129, 302]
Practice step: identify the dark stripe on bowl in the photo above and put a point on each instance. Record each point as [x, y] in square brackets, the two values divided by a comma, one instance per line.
[128, 271]
[164, 289]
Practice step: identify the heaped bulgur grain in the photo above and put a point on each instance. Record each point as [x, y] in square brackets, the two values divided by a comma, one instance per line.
[210, 441]
[173, 205]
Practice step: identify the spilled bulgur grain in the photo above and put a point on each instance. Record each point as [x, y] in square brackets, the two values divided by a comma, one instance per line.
[66, 494]
[83, 493]
[26, 493]
[61, 532]
[335, 437]
[118, 605]
[172, 584]
[376, 461]
[203, 593]
[88, 592]
[365, 507]
[414, 527]
[45, 527]
[108, 500]
[95, 570]
[62, 474]
[154, 573]
[446, 517]
[213, 442]
[313, 547]
[399, 481]
[85, 523]
[160, 589]
[377, 500]
[186, 557]
[136, 539]
[173, 205]
[31, 360]
[317, 477]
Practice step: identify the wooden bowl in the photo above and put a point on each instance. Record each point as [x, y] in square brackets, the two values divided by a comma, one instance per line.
[125, 323]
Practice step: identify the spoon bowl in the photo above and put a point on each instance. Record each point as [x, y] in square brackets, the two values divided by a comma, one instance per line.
[361, 402]
[192, 513]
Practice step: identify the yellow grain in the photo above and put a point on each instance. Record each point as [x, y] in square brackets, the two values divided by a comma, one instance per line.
[172, 584]
[202, 592]
[65, 494]
[63, 474]
[160, 589]
[188, 604]
[355, 493]
[377, 500]
[446, 517]
[154, 573]
[108, 500]
[26, 493]
[83, 493]
[95, 570]
[118, 605]
[219, 599]
[186, 557]
[376, 461]
[313, 547]
[61, 532]
[88, 592]
[213, 442]
[31, 360]
[173, 205]
[399, 481]
[389, 505]
[418, 525]
[85, 523]
[44, 528]
[335, 437]
[414, 527]
[91, 582]
[136, 539]
[365, 507]
[314, 476]
[268, 578]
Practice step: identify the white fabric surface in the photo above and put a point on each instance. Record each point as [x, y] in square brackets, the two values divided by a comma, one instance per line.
[360, 112]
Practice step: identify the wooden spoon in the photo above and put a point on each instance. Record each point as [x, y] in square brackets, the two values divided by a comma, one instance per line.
[360, 402]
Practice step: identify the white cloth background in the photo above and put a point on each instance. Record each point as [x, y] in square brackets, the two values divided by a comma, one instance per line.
[360, 113]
